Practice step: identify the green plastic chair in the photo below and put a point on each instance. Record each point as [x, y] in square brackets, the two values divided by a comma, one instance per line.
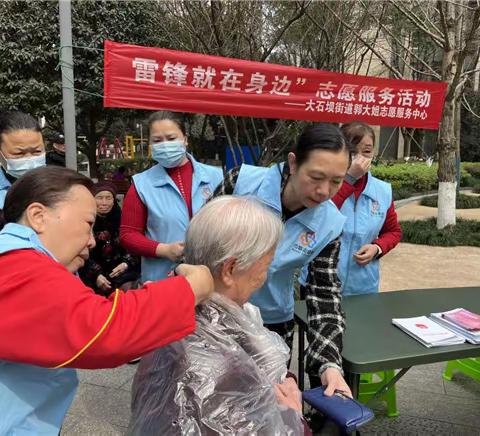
[368, 387]
[470, 367]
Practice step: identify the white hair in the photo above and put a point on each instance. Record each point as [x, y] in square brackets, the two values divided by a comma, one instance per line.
[232, 227]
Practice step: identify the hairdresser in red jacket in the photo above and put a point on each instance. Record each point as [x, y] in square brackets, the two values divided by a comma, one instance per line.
[51, 322]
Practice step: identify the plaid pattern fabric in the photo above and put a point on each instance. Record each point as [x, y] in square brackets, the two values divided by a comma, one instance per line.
[326, 319]
[228, 184]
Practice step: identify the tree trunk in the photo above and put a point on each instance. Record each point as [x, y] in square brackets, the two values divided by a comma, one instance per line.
[92, 146]
[237, 140]
[92, 160]
[446, 167]
[446, 133]
[407, 141]
[229, 140]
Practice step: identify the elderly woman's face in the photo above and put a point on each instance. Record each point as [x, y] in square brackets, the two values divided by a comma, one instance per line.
[67, 227]
[104, 201]
[248, 281]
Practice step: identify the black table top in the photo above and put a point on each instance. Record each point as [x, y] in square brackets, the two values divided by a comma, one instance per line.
[373, 343]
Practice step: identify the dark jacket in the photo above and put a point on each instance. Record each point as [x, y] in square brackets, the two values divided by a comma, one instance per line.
[55, 158]
[108, 253]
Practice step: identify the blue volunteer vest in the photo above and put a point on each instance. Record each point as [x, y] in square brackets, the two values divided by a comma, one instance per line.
[306, 235]
[167, 212]
[4, 187]
[33, 400]
[365, 219]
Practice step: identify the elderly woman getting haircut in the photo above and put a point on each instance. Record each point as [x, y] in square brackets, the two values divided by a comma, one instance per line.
[229, 377]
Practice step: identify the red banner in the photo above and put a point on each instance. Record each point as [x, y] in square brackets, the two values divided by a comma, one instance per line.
[155, 78]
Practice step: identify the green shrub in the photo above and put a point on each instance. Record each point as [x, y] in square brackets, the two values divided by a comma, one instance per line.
[466, 232]
[402, 193]
[473, 168]
[462, 201]
[415, 177]
[133, 166]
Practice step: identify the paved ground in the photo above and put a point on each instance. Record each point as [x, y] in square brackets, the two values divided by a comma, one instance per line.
[417, 212]
[428, 405]
[414, 211]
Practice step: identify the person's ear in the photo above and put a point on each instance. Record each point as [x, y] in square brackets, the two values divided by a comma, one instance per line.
[35, 216]
[227, 272]
[292, 163]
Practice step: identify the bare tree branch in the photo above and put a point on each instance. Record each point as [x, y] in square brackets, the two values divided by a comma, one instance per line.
[443, 22]
[462, 5]
[427, 18]
[297, 16]
[394, 71]
[474, 63]
[433, 73]
[191, 27]
[437, 39]
[469, 41]
[467, 106]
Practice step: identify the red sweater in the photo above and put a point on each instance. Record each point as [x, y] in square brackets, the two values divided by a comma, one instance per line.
[50, 318]
[391, 232]
[135, 213]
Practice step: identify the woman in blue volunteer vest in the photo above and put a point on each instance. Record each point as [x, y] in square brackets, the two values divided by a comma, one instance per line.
[372, 227]
[21, 149]
[162, 200]
[299, 190]
[51, 322]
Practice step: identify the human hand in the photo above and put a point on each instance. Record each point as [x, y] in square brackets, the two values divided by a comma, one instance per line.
[173, 251]
[333, 380]
[366, 254]
[200, 280]
[288, 394]
[119, 269]
[360, 166]
[103, 283]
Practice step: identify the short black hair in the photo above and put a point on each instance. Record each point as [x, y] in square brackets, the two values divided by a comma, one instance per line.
[17, 120]
[319, 136]
[47, 185]
[175, 117]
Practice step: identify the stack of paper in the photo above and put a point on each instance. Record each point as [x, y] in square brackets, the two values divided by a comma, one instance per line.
[427, 331]
[462, 322]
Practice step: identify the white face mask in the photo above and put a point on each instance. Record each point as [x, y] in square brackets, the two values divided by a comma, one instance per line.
[18, 167]
[169, 154]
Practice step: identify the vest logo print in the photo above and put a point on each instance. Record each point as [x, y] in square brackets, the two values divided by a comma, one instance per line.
[206, 192]
[375, 209]
[306, 242]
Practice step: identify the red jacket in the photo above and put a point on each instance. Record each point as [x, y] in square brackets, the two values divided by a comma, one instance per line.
[50, 318]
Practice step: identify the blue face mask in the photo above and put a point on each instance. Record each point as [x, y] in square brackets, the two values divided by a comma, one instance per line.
[18, 167]
[169, 154]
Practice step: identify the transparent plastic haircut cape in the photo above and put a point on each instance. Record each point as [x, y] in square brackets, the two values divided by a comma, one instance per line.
[217, 381]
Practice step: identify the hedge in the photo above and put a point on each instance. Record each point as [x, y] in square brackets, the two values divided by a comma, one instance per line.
[132, 165]
[425, 232]
[462, 201]
[414, 177]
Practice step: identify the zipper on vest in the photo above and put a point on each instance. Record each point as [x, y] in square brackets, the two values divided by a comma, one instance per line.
[350, 254]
